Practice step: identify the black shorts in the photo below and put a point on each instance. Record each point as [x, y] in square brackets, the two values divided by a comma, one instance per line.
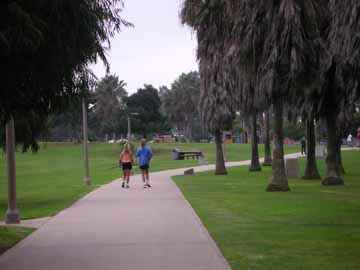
[144, 167]
[127, 166]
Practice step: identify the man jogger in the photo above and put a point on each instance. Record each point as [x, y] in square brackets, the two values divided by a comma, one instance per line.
[144, 155]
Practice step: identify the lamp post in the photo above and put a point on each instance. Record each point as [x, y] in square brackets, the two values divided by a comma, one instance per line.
[87, 180]
[12, 213]
[129, 125]
[129, 128]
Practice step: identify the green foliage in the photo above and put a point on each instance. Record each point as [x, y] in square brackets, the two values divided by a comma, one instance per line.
[180, 105]
[109, 98]
[45, 49]
[28, 130]
[298, 230]
[67, 125]
[146, 104]
[211, 23]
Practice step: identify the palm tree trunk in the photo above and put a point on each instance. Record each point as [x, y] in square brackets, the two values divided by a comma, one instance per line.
[311, 170]
[333, 175]
[220, 163]
[279, 181]
[338, 156]
[255, 163]
[267, 158]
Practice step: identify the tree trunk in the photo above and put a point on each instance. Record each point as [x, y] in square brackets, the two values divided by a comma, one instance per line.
[333, 176]
[144, 133]
[267, 157]
[338, 156]
[311, 170]
[279, 181]
[220, 163]
[255, 163]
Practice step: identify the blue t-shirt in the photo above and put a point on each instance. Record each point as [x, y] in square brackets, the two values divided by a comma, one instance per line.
[144, 154]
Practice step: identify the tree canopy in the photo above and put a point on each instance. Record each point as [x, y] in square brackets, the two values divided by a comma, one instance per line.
[145, 105]
[45, 49]
[109, 100]
[180, 104]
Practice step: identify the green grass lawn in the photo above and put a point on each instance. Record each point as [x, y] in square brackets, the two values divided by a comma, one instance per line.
[51, 180]
[311, 227]
[9, 236]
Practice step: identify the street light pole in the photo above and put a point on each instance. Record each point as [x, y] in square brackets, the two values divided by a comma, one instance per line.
[129, 124]
[129, 128]
[87, 180]
[12, 213]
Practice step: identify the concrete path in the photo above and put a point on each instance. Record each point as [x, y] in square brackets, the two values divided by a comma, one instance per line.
[127, 229]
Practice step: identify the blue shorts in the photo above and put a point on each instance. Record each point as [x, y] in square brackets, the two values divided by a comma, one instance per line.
[144, 167]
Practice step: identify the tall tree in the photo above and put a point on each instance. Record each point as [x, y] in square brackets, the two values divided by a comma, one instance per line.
[311, 170]
[267, 146]
[180, 103]
[282, 37]
[340, 74]
[255, 162]
[109, 97]
[208, 20]
[146, 103]
[45, 49]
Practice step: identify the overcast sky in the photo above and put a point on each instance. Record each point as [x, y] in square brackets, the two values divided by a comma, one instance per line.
[156, 51]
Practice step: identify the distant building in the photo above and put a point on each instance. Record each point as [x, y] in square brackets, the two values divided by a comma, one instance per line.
[227, 137]
[164, 139]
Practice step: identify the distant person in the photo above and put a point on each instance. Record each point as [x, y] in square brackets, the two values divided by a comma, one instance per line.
[358, 137]
[303, 145]
[144, 155]
[126, 160]
[349, 140]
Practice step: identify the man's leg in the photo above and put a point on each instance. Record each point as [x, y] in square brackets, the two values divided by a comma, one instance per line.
[143, 175]
[147, 178]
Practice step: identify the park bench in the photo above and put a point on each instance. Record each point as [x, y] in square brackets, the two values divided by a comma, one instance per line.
[181, 155]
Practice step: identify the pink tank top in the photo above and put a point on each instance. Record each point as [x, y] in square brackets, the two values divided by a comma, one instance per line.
[126, 157]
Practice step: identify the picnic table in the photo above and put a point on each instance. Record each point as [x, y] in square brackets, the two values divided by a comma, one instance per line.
[181, 155]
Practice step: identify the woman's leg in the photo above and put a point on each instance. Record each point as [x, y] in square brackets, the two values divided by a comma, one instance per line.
[124, 178]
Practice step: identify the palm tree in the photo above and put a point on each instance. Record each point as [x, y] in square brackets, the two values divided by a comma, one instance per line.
[338, 89]
[340, 76]
[207, 18]
[180, 103]
[267, 156]
[311, 170]
[109, 95]
[255, 162]
[281, 37]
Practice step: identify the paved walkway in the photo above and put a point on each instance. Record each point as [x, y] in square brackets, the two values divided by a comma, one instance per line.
[115, 228]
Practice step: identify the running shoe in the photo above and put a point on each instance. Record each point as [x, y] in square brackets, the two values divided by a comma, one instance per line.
[148, 185]
[127, 186]
[123, 185]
